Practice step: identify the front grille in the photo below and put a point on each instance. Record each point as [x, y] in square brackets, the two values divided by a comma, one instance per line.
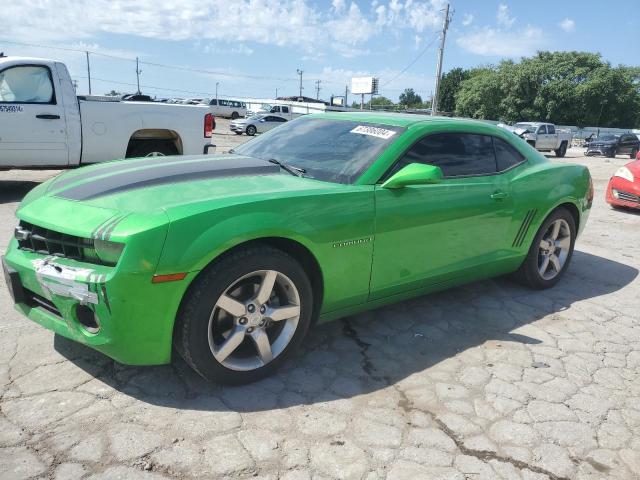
[34, 300]
[33, 238]
[628, 197]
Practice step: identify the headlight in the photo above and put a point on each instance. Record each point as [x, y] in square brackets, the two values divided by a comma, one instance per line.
[108, 252]
[624, 172]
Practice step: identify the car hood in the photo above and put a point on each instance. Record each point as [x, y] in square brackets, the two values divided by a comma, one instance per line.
[634, 168]
[168, 184]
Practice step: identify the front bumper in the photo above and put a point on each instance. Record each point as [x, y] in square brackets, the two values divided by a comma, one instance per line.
[237, 127]
[623, 193]
[135, 316]
[599, 150]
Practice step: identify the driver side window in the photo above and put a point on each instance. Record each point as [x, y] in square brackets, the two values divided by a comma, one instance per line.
[26, 84]
[457, 154]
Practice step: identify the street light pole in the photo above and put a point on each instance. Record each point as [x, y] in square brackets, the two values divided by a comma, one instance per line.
[300, 72]
[217, 83]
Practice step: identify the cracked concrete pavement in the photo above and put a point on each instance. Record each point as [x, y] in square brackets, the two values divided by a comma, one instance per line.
[485, 381]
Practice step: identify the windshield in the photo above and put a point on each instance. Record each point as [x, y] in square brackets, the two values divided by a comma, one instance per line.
[524, 125]
[336, 151]
[607, 137]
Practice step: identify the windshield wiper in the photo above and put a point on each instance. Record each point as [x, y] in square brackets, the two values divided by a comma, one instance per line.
[295, 171]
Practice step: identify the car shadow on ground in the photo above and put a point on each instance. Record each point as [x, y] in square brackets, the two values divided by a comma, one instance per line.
[374, 350]
[14, 190]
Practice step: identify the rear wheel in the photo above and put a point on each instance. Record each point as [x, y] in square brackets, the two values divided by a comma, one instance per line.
[561, 152]
[244, 315]
[251, 130]
[234, 115]
[550, 252]
[152, 148]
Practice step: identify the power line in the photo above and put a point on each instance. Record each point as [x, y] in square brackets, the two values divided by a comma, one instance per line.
[427, 47]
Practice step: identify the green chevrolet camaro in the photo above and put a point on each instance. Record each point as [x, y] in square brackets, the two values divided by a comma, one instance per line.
[232, 258]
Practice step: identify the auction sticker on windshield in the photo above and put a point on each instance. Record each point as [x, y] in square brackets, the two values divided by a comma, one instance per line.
[374, 131]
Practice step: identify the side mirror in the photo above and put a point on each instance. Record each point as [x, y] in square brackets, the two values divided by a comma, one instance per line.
[414, 174]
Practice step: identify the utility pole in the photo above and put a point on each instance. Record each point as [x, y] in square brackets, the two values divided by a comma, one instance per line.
[346, 93]
[300, 72]
[276, 93]
[138, 72]
[436, 94]
[318, 89]
[217, 83]
[88, 72]
[75, 86]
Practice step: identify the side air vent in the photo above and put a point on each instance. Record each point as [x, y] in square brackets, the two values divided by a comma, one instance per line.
[524, 228]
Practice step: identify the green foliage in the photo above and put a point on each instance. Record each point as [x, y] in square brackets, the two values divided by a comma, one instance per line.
[381, 101]
[449, 87]
[410, 98]
[567, 88]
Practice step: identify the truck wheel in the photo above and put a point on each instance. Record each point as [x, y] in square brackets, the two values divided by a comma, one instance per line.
[244, 315]
[633, 154]
[612, 154]
[234, 115]
[560, 152]
[152, 148]
[550, 251]
[251, 130]
[532, 143]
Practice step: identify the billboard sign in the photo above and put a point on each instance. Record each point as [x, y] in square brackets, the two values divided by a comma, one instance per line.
[364, 85]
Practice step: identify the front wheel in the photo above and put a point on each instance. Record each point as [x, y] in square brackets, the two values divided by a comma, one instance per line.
[251, 130]
[234, 115]
[244, 315]
[550, 252]
[633, 154]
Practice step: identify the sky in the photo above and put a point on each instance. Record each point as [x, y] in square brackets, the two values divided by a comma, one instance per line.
[250, 48]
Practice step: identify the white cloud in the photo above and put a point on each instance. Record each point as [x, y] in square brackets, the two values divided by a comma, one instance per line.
[338, 25]
[567, 25]
[503, 16]
[226, 49]
[495, 42]
[467, 19]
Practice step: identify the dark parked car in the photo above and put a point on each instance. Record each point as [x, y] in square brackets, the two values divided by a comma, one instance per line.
[611, 145]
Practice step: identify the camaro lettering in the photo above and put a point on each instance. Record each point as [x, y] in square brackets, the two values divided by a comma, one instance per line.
[11, 108]
[374, 131]
[349, 243]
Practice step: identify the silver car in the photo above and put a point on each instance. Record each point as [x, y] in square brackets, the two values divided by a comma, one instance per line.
[255, 124]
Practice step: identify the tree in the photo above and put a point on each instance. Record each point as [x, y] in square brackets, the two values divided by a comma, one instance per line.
[410, 98]
[381, 101]
[566, 88]
[449, 87]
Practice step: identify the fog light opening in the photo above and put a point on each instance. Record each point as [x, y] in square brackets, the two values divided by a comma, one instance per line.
[87, 318]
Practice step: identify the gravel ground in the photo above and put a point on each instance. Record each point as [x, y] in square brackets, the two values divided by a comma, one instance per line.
[489, 380]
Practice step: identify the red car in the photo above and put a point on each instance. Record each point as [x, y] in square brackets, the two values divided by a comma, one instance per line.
[624, 187]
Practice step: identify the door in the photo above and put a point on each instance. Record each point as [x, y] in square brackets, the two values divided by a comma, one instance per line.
[269, 122]
[33, 130]
[427, 234]
[542, 142]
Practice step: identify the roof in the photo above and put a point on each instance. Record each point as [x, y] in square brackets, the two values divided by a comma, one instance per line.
[395, 119]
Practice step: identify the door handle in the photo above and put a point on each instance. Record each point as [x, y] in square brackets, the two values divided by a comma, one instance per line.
[46, 116]
[499, 195]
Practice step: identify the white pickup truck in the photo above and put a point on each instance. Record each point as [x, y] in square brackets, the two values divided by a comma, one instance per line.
[44, 124]
[544, 137]
[284, 111]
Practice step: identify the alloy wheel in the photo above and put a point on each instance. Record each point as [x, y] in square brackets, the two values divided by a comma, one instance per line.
[554, 249]
[254, 320]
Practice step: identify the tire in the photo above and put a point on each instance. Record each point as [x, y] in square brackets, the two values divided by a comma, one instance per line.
[151, 148]
[561, 152]
[251, 130]
[612, 154]
[633, 154]
[234, 115]
[202, 323]
[529, 272]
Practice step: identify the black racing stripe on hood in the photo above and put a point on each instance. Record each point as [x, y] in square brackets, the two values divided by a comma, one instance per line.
[167, 174]
[117, 166]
